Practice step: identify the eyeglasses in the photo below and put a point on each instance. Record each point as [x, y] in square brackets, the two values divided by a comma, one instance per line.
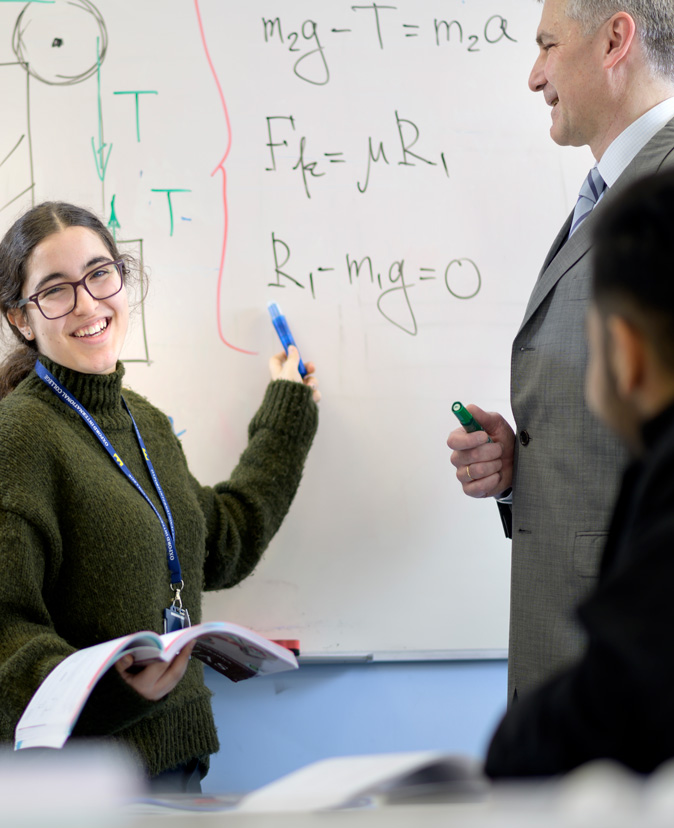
[60, 299]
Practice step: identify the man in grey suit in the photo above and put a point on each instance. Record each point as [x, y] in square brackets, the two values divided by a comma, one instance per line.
[606, 69]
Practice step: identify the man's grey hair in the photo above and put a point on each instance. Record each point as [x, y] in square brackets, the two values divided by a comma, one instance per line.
[654, 21]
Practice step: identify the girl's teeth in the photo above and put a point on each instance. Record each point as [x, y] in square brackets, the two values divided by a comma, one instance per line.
[93, 329]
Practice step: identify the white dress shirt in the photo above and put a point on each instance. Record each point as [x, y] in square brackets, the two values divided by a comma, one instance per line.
[632, 140]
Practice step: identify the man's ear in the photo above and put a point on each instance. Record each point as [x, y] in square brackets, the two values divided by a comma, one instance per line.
[19, 319]
[628, 355]
[620, 32]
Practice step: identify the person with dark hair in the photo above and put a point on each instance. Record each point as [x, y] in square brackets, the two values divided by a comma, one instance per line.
[605, 69]
[88, 553]
[616, 701]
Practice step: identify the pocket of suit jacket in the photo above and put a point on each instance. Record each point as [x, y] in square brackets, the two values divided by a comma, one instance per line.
[587, 551]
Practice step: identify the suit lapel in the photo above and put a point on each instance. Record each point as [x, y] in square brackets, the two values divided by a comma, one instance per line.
[565, 253]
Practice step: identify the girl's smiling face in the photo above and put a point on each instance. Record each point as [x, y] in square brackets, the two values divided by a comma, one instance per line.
[90, 338]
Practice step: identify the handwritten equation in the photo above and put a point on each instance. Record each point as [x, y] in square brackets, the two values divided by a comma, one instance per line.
[460, 278]
[293, 148]
[385, 27]
[305, 160]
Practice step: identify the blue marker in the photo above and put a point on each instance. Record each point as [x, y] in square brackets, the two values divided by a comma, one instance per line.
[283, 331]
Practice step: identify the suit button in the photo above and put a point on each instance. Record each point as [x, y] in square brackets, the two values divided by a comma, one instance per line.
[524, 437]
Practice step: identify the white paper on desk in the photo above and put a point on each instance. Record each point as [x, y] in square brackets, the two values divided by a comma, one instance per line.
[49, 718]
[343, 780]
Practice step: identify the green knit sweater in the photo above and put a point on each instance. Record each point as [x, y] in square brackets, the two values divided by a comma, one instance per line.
[83, 555]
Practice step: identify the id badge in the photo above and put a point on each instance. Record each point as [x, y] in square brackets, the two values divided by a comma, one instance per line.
[176, 618]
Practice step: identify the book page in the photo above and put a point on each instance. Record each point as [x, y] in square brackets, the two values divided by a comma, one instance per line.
[332, 783]
[52, 712]
[236, 652]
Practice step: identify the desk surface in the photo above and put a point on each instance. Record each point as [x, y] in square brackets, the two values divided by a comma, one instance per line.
[515, 814]
[81, 788]
[424, 816]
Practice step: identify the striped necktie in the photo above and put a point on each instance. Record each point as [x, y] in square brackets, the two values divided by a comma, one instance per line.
[593, 186]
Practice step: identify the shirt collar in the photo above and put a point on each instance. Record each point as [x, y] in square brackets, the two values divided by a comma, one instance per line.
[633, 139]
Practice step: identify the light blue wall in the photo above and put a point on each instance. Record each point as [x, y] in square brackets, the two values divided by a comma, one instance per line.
[273, 725]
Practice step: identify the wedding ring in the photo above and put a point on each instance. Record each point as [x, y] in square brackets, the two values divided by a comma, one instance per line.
[468, 472]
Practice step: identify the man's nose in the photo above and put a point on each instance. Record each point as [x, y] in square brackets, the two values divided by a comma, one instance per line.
[537, 78]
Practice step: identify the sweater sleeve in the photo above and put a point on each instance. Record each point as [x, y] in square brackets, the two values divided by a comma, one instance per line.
[30, 647]
[244, 513]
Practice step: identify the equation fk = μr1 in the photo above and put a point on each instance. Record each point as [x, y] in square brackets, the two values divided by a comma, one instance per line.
[305, 162]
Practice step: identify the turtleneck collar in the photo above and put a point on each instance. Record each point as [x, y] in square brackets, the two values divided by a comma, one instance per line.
[100, 394]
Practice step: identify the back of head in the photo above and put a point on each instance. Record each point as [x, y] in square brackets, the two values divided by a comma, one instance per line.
[16, 248]
[633, 273]
[654, 21]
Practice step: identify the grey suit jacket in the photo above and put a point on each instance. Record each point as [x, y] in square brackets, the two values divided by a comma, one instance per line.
[567, 466]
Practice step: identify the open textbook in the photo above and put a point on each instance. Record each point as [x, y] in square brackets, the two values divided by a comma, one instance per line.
[234, 651]
[352, 781]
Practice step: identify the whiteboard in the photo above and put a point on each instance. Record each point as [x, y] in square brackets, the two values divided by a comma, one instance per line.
[379, 169]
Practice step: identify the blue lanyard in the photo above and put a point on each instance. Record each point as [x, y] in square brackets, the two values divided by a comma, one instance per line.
[169, 533]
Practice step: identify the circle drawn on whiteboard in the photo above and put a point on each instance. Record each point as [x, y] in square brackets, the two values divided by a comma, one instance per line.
[75, 25]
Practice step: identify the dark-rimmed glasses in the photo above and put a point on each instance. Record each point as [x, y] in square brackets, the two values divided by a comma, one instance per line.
[60, 299]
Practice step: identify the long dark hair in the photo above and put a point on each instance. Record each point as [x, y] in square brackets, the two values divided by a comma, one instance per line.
[15, 249]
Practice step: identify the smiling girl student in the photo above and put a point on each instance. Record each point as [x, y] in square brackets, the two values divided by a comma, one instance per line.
[86, 556]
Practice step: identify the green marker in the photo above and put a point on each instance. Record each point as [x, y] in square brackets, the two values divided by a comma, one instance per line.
[467, 420]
